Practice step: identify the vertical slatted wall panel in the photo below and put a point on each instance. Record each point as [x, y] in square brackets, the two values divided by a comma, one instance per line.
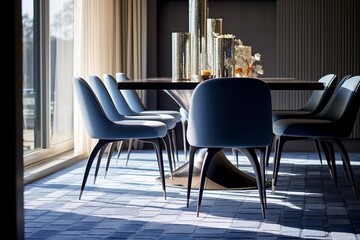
[314, 38]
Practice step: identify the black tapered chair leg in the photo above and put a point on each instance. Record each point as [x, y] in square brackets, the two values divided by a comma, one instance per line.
[346, 163]
[170, 148]
[184, 127]
[99, 145]
[100, 155]
[330, 159]
[268, 151]
[111, 150]
[168, 151]
[235, 156]
[263, 172]
[318, 149]
[121, 144]
[174, 142]
[211, 152]
[279, 144]
[251, 155]
[191, 158]
[131, 142]
[158, 149]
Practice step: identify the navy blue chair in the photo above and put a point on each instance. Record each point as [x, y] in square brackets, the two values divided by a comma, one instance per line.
[99, 126]
[108, 103]
[334, 123]
[124, 109]
[233, 113]
[136, 104]
[316, 102]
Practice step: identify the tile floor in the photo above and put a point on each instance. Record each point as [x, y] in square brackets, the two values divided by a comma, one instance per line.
[129, 204]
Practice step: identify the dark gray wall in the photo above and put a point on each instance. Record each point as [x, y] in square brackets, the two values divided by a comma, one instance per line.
[314, 38]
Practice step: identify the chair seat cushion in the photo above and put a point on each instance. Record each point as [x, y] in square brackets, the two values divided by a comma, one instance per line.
[135, 129]
[281, 114]
[173, 113]
[169, 120]
[307, 128]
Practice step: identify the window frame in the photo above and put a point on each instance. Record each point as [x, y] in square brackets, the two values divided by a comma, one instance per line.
[43, 150]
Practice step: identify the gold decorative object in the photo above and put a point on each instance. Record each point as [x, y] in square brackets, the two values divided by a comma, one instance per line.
[226, 56]
[224, 61]
[246, 65]
[181, 51]
[197, 27]
[214, 26]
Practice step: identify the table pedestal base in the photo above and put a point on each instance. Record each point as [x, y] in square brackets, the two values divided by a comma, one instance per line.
[222, 174]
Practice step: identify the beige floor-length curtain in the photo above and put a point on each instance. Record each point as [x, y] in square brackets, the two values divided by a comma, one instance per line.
[62, 39]
[108, 38]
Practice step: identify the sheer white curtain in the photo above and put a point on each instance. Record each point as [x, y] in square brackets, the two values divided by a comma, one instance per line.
[108, 38]
[62, 36]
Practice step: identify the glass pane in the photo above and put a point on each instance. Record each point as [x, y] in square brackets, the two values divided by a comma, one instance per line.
[30, 121]
[61, 72]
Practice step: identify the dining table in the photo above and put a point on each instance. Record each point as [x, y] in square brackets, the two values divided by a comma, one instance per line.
[163, 83]
[222, 173]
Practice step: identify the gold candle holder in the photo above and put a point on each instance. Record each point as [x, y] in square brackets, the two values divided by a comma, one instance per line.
[224, 61]
[181, 50]
[197, 27]
[214, 26]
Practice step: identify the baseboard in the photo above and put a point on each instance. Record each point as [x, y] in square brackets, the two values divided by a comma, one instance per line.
[51, 165]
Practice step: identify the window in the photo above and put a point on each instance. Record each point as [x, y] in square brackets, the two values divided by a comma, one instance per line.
[47, 78]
